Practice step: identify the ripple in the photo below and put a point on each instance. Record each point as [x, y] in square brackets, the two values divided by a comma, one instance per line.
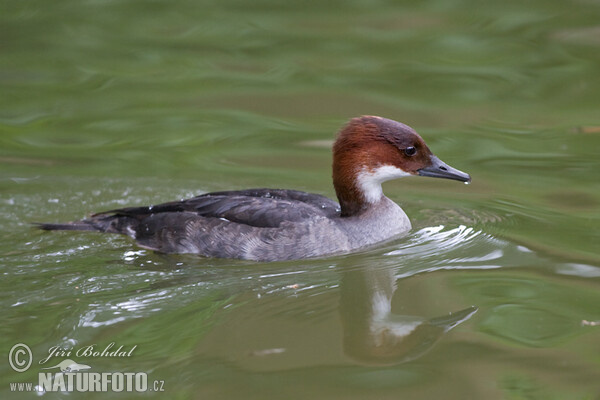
[581, 270]
[531, 326]
[440, 248]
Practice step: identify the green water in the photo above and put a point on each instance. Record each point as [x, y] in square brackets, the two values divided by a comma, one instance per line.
[111, 103]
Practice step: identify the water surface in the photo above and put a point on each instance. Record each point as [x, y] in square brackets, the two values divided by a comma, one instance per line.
[108, 104]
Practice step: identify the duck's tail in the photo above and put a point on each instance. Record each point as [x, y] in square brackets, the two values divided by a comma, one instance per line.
[105, 223]
[83, 225]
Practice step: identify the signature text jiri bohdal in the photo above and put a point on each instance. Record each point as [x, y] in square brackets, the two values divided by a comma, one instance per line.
[92, 350]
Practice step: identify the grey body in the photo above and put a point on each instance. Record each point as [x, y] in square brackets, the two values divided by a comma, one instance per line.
[255, 224]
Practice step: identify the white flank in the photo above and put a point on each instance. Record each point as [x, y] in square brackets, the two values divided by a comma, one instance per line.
[370, 182]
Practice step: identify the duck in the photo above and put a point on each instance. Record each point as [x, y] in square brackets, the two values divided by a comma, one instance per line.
[280, 224]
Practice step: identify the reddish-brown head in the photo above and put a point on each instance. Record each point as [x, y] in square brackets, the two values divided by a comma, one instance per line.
[370, 150]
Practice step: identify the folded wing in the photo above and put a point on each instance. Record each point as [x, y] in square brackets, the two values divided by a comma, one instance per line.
[261, 208]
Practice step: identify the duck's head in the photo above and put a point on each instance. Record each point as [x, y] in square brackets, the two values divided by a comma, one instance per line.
[370, 150]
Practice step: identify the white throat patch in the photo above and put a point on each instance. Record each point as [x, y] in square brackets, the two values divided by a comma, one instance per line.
[370, 182]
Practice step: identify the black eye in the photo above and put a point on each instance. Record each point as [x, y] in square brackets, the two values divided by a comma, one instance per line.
[410, 151]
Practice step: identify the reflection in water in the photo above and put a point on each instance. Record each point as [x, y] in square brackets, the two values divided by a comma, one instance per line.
[375, 335]
[283, 319]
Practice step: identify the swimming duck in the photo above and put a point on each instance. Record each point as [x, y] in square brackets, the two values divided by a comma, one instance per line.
[278, 224]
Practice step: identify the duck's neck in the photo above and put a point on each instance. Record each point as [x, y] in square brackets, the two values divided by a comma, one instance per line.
[360, 190]
[355, 195]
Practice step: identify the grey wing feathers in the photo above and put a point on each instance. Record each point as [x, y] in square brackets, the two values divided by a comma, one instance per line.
[255, 207]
